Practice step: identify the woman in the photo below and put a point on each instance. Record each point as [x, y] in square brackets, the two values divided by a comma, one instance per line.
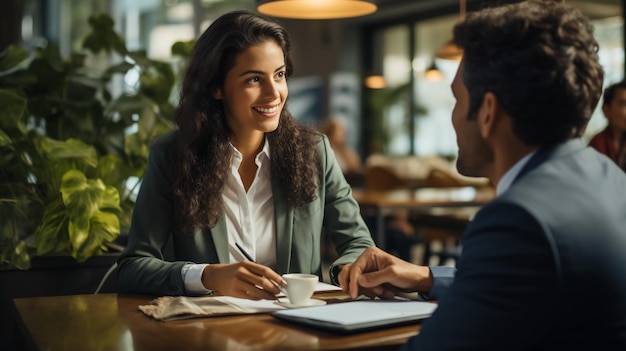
[238, 171]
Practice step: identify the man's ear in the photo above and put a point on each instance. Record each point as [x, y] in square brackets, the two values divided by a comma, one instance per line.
[488, 114]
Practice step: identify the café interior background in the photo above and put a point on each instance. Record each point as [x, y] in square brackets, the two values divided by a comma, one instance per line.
[332, 58]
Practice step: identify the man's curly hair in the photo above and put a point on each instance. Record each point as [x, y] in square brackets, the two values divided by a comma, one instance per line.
[540, 59]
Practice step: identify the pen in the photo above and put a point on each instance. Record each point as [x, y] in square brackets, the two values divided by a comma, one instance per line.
[246, 254]
[249, 258]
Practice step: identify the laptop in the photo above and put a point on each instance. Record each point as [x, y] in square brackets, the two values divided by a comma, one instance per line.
[358, 316]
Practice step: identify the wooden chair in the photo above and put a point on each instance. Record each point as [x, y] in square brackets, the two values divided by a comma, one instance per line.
[382, 178]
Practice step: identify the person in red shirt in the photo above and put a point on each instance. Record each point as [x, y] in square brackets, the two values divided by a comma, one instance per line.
[612, 140]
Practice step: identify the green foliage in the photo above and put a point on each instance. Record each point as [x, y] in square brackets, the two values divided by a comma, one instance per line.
[66, 146]
[379, 100]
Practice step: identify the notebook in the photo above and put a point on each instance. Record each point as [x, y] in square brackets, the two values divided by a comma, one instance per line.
[358, 316]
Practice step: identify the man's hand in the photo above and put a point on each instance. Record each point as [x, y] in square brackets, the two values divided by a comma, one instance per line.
[378, 274]
[243, 279]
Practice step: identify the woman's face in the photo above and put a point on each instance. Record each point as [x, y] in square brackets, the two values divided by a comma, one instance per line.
[254, 92]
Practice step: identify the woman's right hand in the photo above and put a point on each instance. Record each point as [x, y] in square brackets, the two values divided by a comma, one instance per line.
[245, 279]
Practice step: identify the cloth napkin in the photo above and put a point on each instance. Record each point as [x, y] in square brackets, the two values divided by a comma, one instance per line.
[169, 308]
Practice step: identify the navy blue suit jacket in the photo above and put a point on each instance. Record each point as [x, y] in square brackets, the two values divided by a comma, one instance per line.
[543, 265]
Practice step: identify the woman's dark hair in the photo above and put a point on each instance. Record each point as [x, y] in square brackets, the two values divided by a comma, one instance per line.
[203, 153]
[540, 59]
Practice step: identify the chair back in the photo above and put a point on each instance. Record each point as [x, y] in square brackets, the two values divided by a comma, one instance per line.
[382, 178]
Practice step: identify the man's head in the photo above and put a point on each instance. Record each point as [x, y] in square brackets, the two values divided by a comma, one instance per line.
[614, 106]
[539, 59]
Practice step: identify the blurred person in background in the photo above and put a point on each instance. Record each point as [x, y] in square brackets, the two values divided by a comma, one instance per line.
[612, 140]
[348, 159]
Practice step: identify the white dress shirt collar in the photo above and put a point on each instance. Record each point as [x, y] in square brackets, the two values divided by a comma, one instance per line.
[249, 215]
[507, 179]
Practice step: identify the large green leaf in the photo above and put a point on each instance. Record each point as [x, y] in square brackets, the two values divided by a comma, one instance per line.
[120, 68]
[12, 112]
[51, 236]
[12, 57]
[69, 150]
[4, 139]
[49, 68]
[183, 48]
[157, 80]
[113, 171]
[136, 146]
[102, 36]
[92, 209]
[105, 227]
[16, 255]
[18, 208]
[80, 195]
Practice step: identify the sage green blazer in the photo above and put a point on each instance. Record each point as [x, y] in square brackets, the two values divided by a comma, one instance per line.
[142, 268]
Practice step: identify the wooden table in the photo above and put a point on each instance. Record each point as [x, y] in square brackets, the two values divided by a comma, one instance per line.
[380, 203]
[113, 322]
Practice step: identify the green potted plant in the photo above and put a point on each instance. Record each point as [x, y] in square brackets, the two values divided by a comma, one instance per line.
[378, 100]
[70, 153]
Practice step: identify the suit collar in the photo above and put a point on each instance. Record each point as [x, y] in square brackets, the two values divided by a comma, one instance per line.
[220, 240]
[549, 152]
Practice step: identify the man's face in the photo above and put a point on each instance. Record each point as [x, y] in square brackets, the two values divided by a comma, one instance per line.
[475, 155]
[616, 111]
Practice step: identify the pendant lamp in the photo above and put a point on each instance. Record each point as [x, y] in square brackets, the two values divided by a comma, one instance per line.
[316, 9]
[375, 82]
[451, 51]
[433, 74]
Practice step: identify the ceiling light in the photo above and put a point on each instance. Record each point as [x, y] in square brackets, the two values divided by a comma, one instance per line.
[375, 82]
[316, 9]
[433, 74]
[451, 51]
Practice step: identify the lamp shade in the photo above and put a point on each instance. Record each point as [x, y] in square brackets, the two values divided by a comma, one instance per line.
[433, 74]
[375, 82]
[316, 9]
[450, 51]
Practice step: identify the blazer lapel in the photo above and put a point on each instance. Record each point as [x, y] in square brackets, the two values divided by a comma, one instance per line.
[283, 217]
[219, 234]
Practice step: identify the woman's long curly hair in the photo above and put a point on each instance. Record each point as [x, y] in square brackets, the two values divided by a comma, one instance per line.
[203, 154]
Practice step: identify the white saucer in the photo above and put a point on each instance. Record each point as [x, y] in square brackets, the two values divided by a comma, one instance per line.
[312, 302]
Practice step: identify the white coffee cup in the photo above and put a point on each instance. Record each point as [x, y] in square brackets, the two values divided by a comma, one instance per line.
[300, 287]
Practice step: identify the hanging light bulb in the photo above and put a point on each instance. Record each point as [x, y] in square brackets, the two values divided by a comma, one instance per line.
[316, 9]
[433, 74]
[375, 82]
[451, 51]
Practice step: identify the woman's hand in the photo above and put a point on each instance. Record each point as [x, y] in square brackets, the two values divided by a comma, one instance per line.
[378, 274]
[243, 279]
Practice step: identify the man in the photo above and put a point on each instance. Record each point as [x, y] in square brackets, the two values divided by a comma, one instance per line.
[543, 264]
[612, 140]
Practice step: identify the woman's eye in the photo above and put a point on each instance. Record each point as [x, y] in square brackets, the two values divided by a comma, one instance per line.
[281, 74]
